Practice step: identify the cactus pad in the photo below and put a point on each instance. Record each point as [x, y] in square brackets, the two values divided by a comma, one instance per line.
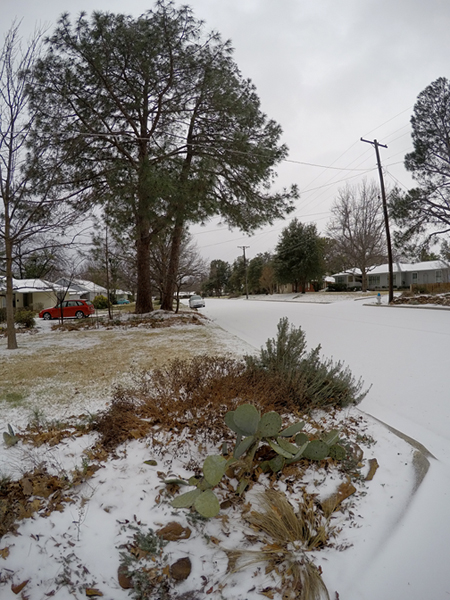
[246, 418]
[316, 450]
[270, 424]
[207, 504]
[338, 452]
[214, 469]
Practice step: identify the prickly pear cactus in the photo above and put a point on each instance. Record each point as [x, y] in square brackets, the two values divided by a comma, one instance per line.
[301, 438]
[270, 424]
[292, 429]
[246, 418]
[316, 450]
[337, 452]
[331, 438]
[207, 504]
[214, 469]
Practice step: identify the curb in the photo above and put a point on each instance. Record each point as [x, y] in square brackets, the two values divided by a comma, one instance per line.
[421, 456]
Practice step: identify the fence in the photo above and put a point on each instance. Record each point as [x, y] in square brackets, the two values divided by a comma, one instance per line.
[430, 288]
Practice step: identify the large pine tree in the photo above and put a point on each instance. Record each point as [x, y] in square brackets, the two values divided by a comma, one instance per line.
[153, 118]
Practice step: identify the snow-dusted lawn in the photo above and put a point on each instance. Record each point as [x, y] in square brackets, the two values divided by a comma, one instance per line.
[393, 539]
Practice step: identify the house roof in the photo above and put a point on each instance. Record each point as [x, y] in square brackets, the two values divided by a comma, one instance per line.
[84, 285]
[90, 286]
[354, 271]
[26, 286]
[397, 267]
[432, 265]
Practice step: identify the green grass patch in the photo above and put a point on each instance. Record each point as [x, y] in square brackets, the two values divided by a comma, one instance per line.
[13, 398]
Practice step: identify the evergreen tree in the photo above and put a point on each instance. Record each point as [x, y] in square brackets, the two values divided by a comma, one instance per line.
[299, 255]
[236, 282]
[152, 117]
[219, 275]
[258, 273]
[425, 210]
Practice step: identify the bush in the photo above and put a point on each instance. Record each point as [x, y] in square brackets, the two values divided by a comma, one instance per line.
[100, 302]
[25, 317]
[336, 287]
[309, 381]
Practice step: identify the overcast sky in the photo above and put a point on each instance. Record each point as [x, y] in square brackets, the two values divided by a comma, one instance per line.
[330, 72]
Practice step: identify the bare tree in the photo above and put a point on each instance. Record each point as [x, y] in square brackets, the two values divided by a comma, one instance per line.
[267, 279]
[357, 227]
[24, 215]
[192, 268]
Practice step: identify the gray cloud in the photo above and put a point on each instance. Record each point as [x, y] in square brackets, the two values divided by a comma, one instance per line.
[329, 72]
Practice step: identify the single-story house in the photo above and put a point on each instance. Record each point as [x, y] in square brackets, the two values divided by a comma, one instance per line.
[289, 288]
[87, 290]
[409, 274]
[404, 275]
[82, 288]
[31, 293]
[351, 278]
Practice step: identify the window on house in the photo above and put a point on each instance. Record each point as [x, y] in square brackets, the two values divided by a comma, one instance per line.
[438, 276]
[350, 278]
[415, 278]
[374, 280]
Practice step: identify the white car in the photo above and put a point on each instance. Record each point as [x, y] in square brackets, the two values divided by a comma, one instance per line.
[196, 302]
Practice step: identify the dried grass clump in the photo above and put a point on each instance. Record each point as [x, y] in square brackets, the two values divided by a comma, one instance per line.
[282, 523]
[291, 535]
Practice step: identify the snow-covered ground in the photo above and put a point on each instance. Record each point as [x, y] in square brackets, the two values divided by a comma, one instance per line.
[393, 543]
[404, 354]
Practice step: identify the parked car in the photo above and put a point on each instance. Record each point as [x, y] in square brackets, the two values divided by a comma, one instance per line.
[79, 309]
[196, 302]
[122, 301]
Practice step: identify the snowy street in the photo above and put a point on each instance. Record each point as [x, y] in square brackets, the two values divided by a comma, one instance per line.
[403, 353]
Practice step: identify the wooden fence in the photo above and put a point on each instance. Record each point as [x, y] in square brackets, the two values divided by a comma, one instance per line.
[430, 288]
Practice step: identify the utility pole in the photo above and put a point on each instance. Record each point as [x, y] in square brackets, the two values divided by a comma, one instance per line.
[386, 217]
[245, 270]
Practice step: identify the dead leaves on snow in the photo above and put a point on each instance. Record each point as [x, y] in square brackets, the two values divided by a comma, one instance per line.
[38, 491]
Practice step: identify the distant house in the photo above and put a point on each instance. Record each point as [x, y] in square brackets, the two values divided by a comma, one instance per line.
[404, 275]
[408, 274]
[31, 293]
[82, 288]
[352, 278]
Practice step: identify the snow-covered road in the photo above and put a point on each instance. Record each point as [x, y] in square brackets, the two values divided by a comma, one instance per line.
[404, 354]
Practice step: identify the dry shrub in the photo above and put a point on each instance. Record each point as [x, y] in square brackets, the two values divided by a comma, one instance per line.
[195, 394]
[191, 395]
[283, 524]
[75, 325]
[121, 422]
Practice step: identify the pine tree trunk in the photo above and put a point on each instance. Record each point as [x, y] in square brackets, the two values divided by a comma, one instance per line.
[144, 302]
